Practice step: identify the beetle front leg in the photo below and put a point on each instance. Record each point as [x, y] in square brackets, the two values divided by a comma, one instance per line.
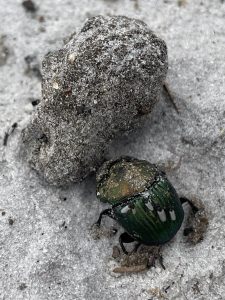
[125, 238]
[98, 232]
[107, 212]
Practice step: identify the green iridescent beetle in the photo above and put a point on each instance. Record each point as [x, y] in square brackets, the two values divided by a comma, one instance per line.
[142, 199]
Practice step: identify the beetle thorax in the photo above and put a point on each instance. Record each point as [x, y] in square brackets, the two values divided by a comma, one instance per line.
[125, 179]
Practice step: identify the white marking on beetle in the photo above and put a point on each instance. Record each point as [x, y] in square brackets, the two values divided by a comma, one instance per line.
[134, 211]
[145, 195]
[149, 206]
[125, 209]
[162, 215]
[172, 215]
[137, 236]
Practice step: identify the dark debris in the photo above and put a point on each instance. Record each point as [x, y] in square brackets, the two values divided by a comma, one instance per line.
[29, 6]
[35, 102]
[33, 67]
[8, 133]
[139, 261]
[11, 221]
[22, 286]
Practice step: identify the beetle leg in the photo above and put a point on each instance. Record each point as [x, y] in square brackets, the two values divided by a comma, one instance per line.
[183, 200]
[125, 238]
[107, 212]
[193, 207]
[197, 222]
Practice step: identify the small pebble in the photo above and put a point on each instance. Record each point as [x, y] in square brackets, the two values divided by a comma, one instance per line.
[11, 221]
[22, 286]
[29, 6]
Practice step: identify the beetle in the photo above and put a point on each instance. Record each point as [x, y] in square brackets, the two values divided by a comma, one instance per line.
[142, 199]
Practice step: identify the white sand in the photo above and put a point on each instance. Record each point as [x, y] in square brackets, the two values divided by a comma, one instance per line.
[39, 257]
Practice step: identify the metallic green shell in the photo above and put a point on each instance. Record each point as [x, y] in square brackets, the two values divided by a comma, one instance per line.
[153, 217]
[143, 200]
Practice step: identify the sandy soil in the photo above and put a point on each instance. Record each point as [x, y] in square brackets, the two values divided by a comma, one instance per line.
[46, 249]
